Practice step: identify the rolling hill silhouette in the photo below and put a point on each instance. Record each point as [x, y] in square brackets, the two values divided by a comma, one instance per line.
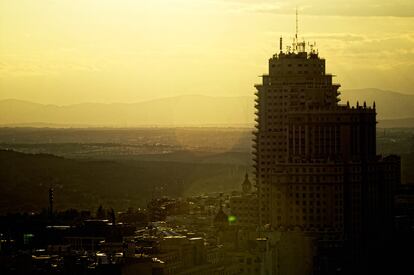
[189, 110]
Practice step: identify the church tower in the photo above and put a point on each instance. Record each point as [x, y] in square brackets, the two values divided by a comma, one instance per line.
[246, 185]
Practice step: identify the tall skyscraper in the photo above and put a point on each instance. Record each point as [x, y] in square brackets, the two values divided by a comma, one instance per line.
[315, 159]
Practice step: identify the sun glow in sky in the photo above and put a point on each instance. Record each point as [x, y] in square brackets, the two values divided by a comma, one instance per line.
[73, 51]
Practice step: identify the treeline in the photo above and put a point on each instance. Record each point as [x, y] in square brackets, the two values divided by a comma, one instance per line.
[26, 178]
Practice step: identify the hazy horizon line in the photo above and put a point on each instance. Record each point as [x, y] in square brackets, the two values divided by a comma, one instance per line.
[45, 125]
[178, 96]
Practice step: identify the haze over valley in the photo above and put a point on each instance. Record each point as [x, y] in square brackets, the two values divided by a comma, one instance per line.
[394, 110]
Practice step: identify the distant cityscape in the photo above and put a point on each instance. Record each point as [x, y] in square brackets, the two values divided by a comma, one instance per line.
[316, 197]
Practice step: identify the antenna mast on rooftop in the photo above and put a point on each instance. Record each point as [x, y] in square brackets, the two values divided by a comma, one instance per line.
[281, 44]
[297, 24]
[297, 30]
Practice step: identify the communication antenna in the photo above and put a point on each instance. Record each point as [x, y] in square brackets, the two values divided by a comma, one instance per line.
[297, 29]
[281, 44]
[51, 202]
[297, 24]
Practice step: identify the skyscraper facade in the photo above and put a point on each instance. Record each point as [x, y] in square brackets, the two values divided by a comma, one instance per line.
[315, 159]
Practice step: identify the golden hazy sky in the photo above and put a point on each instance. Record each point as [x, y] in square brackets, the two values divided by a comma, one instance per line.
[72, 51]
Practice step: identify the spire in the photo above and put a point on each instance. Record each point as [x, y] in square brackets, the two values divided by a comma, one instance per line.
[247, 185]
[220, 218]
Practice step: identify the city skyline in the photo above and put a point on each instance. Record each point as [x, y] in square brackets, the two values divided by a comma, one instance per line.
[216, 137]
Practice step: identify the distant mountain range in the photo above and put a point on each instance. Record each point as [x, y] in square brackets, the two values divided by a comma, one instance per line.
[390, 105]
[175, 111]
[394, 110]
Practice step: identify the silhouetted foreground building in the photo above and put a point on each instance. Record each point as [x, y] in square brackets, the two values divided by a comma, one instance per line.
[316, 163]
